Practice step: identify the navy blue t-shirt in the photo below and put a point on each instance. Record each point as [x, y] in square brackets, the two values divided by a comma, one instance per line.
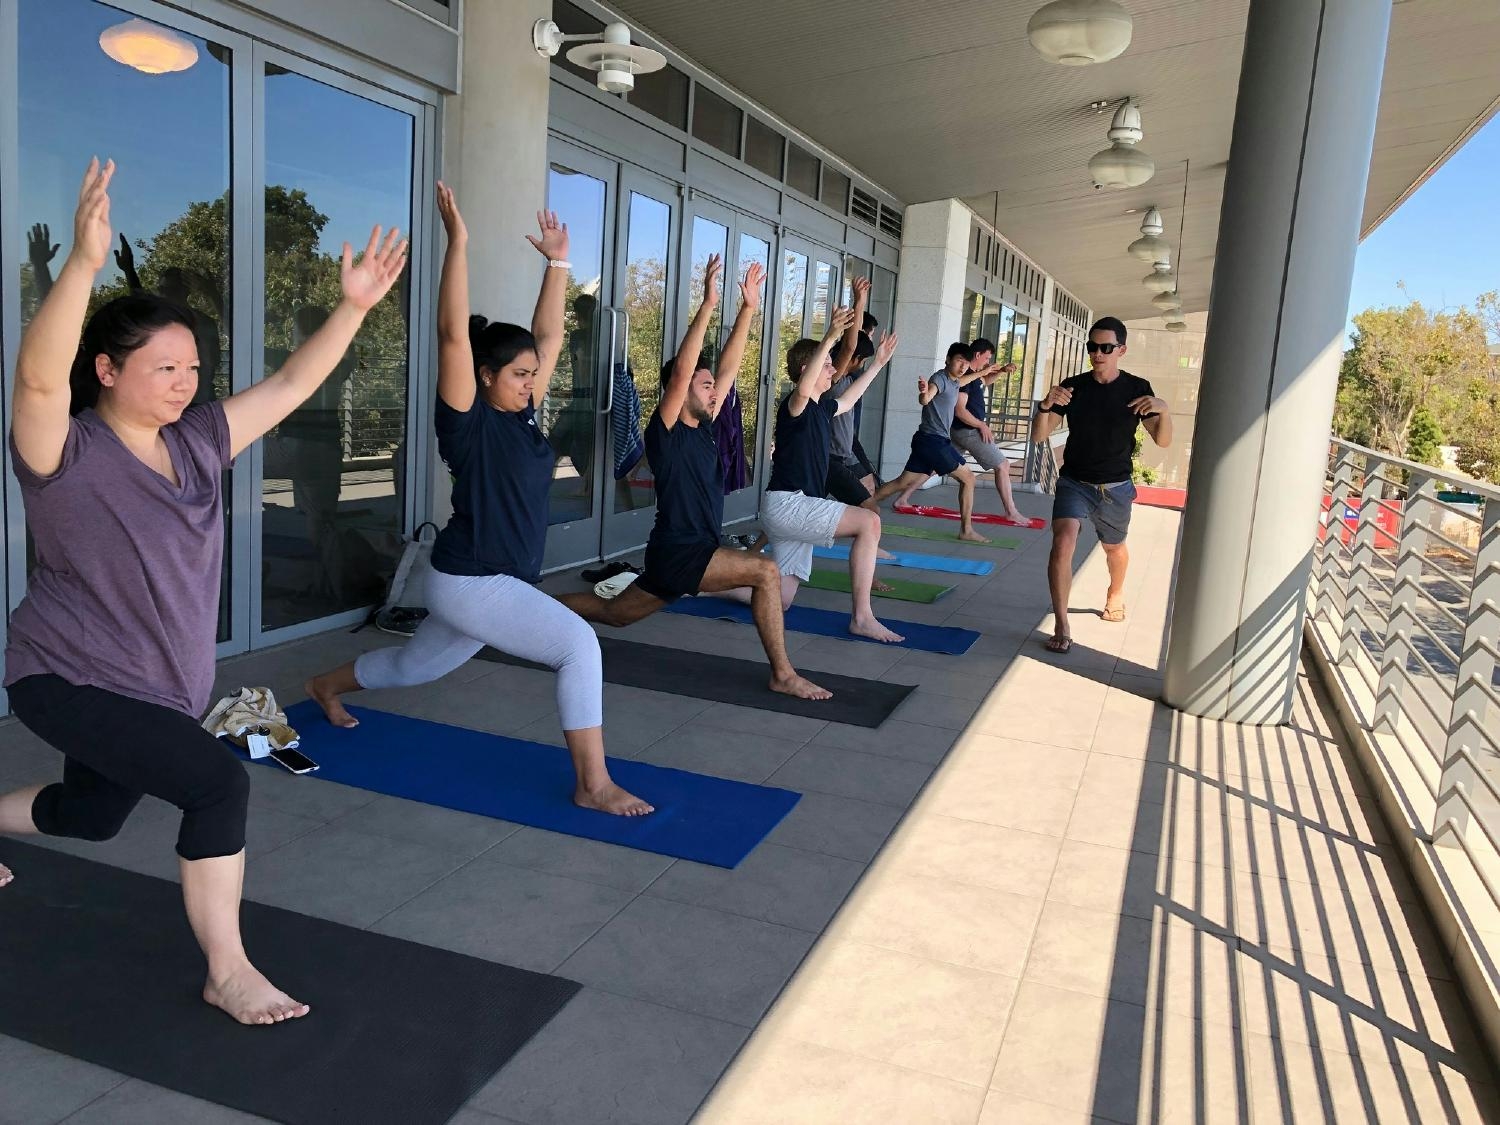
[800, 463]
[975, 405]
[689, 482]
[502, 474]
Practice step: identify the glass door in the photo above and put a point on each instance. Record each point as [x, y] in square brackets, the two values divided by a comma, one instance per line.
[742, 241]
[809, 287]
[335, 156]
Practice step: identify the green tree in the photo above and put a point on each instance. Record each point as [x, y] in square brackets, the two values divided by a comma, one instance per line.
[1424, 438]
[1141, 474]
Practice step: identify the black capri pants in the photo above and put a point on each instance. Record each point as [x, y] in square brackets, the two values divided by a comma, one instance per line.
[118, 749]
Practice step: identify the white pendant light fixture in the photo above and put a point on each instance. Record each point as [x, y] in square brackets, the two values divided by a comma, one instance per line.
[611, 54]
[1122, 165]
[1151, 246]
[1167, 301]
[148, 47]
[1161, 279]
[1080, 32]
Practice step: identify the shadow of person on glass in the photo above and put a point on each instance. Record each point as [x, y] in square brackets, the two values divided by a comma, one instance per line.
[180, 286]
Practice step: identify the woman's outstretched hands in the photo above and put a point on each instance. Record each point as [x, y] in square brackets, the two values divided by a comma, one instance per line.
[366, 282]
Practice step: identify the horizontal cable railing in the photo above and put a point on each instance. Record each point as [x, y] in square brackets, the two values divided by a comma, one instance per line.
[1405, 591]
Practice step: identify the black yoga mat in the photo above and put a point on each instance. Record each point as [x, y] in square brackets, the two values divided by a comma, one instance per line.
[724, 679]
[99, 964]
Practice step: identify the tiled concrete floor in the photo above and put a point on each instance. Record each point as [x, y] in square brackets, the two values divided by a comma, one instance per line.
[1091, 909]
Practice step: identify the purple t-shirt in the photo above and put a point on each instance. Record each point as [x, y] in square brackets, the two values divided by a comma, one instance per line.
[125, 591]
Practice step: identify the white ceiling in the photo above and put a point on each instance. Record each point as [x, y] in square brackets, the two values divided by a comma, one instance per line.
[946, 98]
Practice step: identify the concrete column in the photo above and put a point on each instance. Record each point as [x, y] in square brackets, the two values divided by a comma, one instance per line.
[495, 158]
[1293, 197]
[928, 318]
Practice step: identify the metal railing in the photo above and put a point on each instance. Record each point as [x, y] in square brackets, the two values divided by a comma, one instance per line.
[1406, 596]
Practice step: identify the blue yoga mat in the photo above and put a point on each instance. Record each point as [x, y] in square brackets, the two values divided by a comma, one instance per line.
[707, 819]
[827, 623]
[915, 561]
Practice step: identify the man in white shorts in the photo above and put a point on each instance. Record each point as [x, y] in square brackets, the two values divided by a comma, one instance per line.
[795, 511]
[971, 432]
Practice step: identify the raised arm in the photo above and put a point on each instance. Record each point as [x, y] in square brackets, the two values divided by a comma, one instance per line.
[806, 389]
[675, 393]
[456, 386]
[41, 250]
[855, 390]
[254, 411]
[733, 354]
[125, 259]
[1044, 421]
[1159, 422]
[926, 391]
[547, 320]
[39, 410]
[843, 358]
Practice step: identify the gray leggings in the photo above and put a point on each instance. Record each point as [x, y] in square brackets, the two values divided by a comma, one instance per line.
[465, 614]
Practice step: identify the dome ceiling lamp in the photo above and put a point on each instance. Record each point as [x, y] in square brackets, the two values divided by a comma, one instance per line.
[1167, 301]
[1151, 246]
[1122, 165]
[610, 54]
[1175, 323]
[1080, 32]
[1161, 279]
[148, 47]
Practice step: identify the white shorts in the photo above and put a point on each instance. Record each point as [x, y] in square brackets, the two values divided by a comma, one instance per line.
[795, 523]
[987, 453]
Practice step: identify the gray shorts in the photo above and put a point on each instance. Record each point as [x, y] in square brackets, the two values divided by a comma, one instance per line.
[987, 453]
[795, 523]
[1108, 506]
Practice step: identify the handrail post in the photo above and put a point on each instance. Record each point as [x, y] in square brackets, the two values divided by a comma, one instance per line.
[1470, 717]
[1411, 551]
[1362, 561]
[1331, 591]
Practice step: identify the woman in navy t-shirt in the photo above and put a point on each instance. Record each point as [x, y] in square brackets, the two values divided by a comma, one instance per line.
[486, 561]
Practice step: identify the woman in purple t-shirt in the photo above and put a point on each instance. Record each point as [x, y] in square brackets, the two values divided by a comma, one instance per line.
[111, 653]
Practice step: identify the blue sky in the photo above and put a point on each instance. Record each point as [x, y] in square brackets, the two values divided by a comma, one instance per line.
[1443, 242]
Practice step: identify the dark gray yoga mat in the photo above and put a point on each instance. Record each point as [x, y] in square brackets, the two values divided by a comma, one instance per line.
[726, 679]
[98, 963]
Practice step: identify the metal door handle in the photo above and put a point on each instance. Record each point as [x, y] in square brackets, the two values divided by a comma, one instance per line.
[609, 378]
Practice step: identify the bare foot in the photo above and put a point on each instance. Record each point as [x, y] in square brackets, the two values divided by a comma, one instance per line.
[1017, 517]
[610, 798]
[883, 555]
[5, 875]
[328, 699]
[971, 536]
[874, 630]
[795, 685]
[880, 587]
[250, 998]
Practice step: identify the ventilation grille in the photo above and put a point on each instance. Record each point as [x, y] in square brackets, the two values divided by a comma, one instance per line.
[890, 221]
[865, 208]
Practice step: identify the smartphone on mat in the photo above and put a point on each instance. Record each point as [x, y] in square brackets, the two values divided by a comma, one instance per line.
[294, 760]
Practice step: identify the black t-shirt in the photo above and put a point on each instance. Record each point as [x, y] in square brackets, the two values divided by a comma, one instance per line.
[1101, 431]
[689, 482]
[800, 463]
[502, 474]
[975, 405]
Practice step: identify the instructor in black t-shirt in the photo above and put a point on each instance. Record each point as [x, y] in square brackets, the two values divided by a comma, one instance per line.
[1103, 408]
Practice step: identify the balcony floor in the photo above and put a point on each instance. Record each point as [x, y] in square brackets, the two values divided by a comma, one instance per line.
[1034, 895]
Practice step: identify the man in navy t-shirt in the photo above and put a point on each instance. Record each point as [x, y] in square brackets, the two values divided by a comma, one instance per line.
[683, 556]
[1103, 407]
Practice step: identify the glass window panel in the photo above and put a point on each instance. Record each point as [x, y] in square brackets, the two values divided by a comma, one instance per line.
[747, 382]
[663, 94]
[801, 170]
[765, 148]
[822, 293]
[1020, 356]
[171, 212]
[835, 192]
[331, 497]
[568, 411]
[716, 121]
[647, 240]
[793, 307]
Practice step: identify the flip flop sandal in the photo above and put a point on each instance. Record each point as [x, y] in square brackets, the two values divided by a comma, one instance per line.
[614, 586]
[1115, 613]
[1059, 645]
[608, 570]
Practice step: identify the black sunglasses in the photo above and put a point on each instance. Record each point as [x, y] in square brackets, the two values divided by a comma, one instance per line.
[1102, 348]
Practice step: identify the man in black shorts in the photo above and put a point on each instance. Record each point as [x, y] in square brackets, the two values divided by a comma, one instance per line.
[1103, 407]
[683, 555]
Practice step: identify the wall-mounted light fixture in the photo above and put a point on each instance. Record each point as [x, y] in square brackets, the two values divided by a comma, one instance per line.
[611, 54]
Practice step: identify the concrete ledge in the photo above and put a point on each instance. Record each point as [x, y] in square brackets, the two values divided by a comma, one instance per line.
[1462, 911]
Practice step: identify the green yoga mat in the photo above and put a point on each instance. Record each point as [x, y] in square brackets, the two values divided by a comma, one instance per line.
[900, 590]
[1002, 542]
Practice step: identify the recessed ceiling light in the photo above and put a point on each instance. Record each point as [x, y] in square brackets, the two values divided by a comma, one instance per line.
[1134, 210]
[1100, 106]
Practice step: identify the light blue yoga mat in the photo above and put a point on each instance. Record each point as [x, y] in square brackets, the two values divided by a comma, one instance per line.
[915, 561]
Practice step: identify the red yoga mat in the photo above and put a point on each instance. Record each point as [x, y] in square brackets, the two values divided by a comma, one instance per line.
[979, 517]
